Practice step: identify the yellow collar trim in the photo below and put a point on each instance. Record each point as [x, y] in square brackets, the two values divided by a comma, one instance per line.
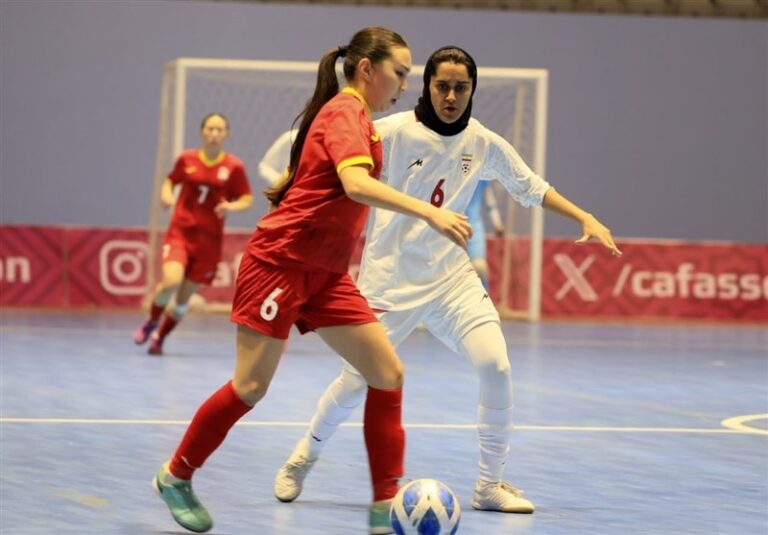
[354, 92]
[208, 162]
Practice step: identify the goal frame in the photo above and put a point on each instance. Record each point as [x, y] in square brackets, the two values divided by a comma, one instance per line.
[174, 86]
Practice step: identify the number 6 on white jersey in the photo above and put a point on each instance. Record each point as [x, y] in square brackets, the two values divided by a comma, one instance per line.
[269, 306]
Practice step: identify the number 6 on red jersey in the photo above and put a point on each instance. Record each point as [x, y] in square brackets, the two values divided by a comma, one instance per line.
[269, 307]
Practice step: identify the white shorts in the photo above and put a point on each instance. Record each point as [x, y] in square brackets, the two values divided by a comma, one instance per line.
[449, 316]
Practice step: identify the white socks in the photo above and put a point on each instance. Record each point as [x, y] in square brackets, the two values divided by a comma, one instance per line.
[486, 349]
[338, 401]
[494, 427]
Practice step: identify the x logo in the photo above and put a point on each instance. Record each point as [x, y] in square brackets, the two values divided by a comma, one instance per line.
[574, 276]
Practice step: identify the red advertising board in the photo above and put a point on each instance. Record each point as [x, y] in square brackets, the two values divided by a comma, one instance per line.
[78, 267]
[106, 267]
[668, 279]
[83, 267]
[32, 271]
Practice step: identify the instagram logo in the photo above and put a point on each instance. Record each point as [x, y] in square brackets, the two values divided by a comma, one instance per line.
[121, 267]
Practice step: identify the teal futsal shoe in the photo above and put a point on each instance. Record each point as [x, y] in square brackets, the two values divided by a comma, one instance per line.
[378, 518]
[185, 508]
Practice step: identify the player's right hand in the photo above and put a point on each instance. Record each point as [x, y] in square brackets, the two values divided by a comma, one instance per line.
[452, 225]
[166, 202]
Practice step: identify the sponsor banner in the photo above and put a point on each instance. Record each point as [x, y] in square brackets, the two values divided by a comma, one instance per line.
[83, 267]
[516, 253]
[106, 267]
[86, 267]
[31, 266]
[656, 279]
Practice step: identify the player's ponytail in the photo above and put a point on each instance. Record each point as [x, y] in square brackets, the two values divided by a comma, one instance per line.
[374, 43]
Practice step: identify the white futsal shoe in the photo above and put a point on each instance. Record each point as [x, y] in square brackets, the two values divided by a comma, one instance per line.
[289, 481]
[500, 496]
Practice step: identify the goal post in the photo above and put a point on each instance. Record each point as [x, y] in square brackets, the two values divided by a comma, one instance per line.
[262, 99]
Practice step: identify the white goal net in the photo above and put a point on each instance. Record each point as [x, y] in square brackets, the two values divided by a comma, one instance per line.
[261, 100]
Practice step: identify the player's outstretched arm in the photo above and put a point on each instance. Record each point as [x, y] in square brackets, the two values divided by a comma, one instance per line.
[591, 227]
[166, 194]
[361, 187]
[269, 173]
[273, 165]
[227, 207]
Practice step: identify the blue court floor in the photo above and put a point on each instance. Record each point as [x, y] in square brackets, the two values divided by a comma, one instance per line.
[621, 429]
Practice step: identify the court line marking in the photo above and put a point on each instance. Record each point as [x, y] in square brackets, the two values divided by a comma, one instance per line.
[522, 340]
[731, 429]
[739, 423]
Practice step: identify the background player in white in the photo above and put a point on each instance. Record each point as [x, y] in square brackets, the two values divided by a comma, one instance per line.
[412, 274]
[482, 202]
[275, 161]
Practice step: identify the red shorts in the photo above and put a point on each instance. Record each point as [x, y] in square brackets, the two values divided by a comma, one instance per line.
[200, 254]
[269, 299]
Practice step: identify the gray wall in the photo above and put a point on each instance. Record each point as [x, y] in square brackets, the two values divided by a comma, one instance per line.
[658, 125]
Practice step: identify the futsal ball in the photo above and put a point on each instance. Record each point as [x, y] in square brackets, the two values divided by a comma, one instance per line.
[425, 507]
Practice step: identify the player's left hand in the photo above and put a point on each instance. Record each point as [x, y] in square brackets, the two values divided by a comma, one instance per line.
[221, 209]
[592, 228]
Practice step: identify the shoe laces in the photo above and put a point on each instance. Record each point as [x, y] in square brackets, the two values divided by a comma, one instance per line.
[183, 490]
[507, 487]
[300, 465]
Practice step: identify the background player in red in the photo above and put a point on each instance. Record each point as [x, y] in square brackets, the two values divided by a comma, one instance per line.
[294, 271]
[212, 183]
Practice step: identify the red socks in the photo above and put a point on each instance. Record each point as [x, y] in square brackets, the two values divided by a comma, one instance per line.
[166, 326]
[382, 427]
[207, 430]
[155, 311]
[384, 440]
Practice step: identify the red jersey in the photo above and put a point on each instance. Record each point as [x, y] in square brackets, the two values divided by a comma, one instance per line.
[316, 226]
[204, 184]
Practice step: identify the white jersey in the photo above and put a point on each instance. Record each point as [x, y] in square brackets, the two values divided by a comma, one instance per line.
[277, 158]
[405, 262]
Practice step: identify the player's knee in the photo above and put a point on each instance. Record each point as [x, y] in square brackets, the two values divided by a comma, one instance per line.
[168, 286]
[389, 378]
[504, 368]
[251, 391]
[496, 372]
[394, 376]
[351, 381]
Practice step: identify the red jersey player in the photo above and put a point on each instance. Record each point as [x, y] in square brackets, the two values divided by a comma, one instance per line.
[211, 184]
[295, 272]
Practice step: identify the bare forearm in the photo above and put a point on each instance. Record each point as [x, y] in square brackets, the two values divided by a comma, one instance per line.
[243, 203]
[591, 227]
[365, 190]
[269, 174]
[361, 187]
[166, 193]
[557, 203]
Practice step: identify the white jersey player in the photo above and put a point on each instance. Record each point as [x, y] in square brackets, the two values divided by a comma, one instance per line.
[275, 161]
[407, 264]
[413, 275]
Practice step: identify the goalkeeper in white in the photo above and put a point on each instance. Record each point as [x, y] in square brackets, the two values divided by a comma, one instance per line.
[414, 275]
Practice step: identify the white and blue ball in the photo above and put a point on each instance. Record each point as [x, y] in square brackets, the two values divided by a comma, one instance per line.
[425, 507]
